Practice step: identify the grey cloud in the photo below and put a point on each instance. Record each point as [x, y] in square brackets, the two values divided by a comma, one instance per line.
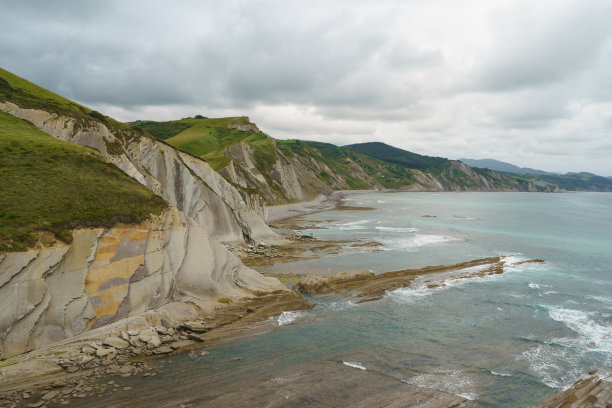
[507, 79]
[533, 50]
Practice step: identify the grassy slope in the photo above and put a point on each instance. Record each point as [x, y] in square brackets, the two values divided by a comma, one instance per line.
[571, 181]
[49, 184]
[341, 160]
[203, 137]
[402, 157]
[31, 96]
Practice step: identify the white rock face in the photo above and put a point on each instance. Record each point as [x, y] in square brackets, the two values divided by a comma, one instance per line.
[171, 266]
[188, 183]
[106, 275]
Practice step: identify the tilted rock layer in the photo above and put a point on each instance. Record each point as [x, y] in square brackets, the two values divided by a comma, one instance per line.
[186, 182]
[108, 274]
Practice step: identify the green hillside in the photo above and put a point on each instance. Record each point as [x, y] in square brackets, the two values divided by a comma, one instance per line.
[203, 137]
[48, 184]
[569, 181]
[402, 157]
[343, 162]
[27, 95]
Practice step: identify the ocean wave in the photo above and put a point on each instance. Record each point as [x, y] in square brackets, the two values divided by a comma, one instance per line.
[341, 305]
[599, 299]
[500, 374]
[409, 295]
[416, 241]
[451, 381]
[554, 366]
[354, 365]
[594, 329]
[288, 317]
[534, 286]
[352, 225]
[396, 229]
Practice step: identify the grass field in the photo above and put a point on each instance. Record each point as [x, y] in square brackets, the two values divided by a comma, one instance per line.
[203, 137]
[48, 184]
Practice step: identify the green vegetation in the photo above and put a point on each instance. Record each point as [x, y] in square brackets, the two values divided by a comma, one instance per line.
[201, 136]
[51, 185]
[404, 158]
[569, 181]
[27, 95]
[344, 162]
[162, 130]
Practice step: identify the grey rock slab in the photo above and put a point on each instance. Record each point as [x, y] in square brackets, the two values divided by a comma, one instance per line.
[181, 343]
[162, 350]
[103, 352]
[115, 342]
[50, 395]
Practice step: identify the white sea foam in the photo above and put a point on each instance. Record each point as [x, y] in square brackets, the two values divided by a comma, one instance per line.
[352, 225]
[501, 374]
[451, 381]
[599, 299]
[396, 229]
[341, 305]
[534, 286]
[552, 365]
[409, 295]
[596, 335]
[416, 241]
[289, 317]
[354, 365]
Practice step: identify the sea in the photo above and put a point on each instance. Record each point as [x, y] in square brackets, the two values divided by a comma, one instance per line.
[507, 340]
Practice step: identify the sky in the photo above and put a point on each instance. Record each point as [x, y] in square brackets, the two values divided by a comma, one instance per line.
[528, 82]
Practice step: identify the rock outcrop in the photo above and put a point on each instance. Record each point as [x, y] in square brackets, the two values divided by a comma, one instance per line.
[591, 391]
[106, 275]
[188, 183]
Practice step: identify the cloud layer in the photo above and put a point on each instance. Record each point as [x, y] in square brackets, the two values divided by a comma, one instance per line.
[521, 81]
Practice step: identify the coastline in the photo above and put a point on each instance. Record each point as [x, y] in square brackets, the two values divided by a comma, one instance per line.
[250, 325]
[322, 202]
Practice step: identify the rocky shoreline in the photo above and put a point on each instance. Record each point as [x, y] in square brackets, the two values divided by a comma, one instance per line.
[59, 373]
[368, 287]
[593, 390]
[73, 370]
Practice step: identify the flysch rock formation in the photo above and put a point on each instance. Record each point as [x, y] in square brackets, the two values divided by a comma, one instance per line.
[104, 275]
[168, 264]
[188, 183]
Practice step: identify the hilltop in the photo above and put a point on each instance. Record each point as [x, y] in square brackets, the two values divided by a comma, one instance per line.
[581, 181]
[53, 186]
[282, 171]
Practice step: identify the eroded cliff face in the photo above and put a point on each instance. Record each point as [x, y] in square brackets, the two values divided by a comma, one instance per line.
[188, 183]
[291, 177]
[106, 275]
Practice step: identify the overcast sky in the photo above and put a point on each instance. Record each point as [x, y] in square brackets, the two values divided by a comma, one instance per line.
[528, 82]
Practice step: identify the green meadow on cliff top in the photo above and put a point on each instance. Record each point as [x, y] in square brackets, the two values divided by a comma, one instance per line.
[206, 138]
[48, 184]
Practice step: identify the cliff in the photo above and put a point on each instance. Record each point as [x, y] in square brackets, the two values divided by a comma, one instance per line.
[286, 171]
[185, 182]
[173, 263]
[168, 263]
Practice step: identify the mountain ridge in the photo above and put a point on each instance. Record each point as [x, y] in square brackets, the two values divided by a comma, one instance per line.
[570, 181]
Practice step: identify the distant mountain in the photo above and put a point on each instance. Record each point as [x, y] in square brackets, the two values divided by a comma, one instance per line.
[570, 181]
[502, 166]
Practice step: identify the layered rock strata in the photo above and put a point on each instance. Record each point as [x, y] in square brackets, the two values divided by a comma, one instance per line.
[188, 183]
[106, 275]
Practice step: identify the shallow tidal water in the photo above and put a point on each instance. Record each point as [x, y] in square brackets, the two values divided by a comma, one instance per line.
[504, 341]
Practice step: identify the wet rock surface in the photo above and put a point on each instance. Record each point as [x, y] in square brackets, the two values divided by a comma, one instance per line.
[591, 391]
[368, 286]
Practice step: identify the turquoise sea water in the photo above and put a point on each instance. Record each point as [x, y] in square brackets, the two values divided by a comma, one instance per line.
[503, 341]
